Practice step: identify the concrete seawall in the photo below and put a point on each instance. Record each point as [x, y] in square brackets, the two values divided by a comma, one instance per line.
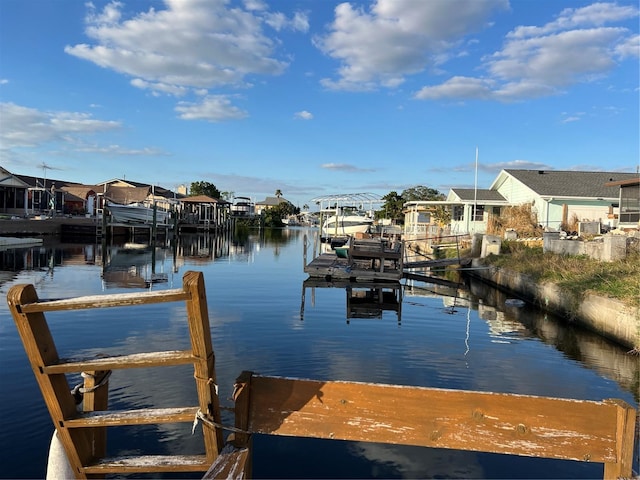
[48, 226]
[606, 316]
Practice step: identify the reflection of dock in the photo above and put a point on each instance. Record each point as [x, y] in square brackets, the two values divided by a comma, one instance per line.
[363, 299]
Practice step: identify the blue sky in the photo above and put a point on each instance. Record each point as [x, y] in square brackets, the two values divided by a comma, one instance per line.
[317, 97]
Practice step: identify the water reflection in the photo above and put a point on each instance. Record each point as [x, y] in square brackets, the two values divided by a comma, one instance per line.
[364, 300]
[604, 356]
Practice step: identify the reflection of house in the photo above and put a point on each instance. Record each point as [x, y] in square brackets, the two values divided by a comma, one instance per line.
[629, 201]
[556, 197]
[268, 203]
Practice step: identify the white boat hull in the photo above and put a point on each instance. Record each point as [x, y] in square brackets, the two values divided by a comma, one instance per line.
[346, 225]
[137, 214]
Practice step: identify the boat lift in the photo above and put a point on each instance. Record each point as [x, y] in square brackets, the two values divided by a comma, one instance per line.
[331, 204]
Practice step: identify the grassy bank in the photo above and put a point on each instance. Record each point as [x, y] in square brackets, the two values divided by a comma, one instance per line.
[576, 274]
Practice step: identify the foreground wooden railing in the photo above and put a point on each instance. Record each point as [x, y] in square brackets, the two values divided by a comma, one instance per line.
[557, 428]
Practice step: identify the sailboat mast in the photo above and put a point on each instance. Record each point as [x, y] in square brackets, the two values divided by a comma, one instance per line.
[475, 193]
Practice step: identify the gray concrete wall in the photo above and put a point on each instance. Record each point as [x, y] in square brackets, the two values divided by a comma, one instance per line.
[607, 249]
[608, 317]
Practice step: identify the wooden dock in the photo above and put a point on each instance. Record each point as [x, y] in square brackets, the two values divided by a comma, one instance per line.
[367, 259]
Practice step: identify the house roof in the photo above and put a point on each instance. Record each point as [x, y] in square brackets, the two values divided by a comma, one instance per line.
[157, 189]
[481, 195]
[40, 182]
[201, 199]
[273, 201]
[7, 179]
[559, 183]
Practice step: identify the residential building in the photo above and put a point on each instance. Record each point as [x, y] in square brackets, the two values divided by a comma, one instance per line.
[556, 197]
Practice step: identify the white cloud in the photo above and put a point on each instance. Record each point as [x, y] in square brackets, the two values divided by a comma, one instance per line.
[213, 108]
[541, 61]
[28, 127]
[279, 21]
[187, 47]
[121, 151]
[410, 35]
[344, 167]
[3, 81]
[457, 87]
[303, 115]
[629, 48]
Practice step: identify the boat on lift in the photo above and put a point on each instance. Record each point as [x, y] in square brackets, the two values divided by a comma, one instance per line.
[347, 221]
[138, 213]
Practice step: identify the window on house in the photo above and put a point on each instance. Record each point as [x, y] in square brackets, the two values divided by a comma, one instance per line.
[479, 213]
[458, 213]
[20, 198]
[630, 204]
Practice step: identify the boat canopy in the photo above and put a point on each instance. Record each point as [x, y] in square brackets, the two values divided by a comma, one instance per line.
[326, 201]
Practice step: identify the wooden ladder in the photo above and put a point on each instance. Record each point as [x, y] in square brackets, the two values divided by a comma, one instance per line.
[83, 433]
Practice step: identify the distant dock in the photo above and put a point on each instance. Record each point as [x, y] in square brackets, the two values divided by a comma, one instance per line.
[365, 259]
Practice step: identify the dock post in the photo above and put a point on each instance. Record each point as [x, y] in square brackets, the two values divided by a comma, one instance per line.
[304, 251]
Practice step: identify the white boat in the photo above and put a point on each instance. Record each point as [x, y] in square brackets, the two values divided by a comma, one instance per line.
[242, 207]
[137, 213]
[291, 221]
[347, 221]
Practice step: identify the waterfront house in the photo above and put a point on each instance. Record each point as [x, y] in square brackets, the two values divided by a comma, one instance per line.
[557, 198]
[469, 210]
[126, 192]
[268, 203]
[13, 194]
[560, 197]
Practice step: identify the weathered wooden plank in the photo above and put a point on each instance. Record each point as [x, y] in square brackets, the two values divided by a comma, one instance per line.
[106, 301]
[135, 360]
[142, 416]
[625, 431]
[96, 398]
[149, 463]
[41, 350]
[463, 420]
[204, 361]
[232, 463]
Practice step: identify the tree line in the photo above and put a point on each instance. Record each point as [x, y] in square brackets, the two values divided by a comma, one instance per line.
[391, 208]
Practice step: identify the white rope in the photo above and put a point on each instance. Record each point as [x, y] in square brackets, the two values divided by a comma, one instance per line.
[202, 417]
[102, 382]
[80, 390]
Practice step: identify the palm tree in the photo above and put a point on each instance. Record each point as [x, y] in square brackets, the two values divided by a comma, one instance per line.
[278, 193]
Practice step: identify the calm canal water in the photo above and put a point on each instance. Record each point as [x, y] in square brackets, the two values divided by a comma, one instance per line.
[265, 318]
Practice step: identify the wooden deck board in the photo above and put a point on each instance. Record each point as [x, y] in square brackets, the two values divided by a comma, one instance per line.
[329, 265]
